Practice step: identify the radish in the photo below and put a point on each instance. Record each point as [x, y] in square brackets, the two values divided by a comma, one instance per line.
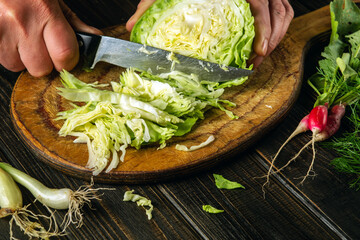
[332, 126]
[336, 83]
[333, 123]
[322, 125]
[315, 121]
[318, 118]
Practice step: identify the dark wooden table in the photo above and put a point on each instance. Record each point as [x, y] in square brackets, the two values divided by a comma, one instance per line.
[322, 208]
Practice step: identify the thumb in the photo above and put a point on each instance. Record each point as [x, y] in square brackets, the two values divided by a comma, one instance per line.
[75, 21]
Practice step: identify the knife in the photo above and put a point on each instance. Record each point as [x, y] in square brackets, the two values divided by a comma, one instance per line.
[96, 48]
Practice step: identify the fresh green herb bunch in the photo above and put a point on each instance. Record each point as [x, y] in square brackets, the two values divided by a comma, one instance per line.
[338, 82]
[348, 148]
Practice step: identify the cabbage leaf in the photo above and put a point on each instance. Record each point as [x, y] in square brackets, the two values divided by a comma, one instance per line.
[211, 209]
[223, 183]
[140, 201]
[140, 109]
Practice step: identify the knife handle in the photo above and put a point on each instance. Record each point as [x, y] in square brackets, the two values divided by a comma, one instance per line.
[88, 45]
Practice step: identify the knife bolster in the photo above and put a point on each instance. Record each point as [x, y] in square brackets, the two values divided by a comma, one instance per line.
[88, 45]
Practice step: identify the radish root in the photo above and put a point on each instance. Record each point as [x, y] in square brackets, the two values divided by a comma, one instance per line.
[293, 158]
[302, 127]
[311, 169]
[287, 164]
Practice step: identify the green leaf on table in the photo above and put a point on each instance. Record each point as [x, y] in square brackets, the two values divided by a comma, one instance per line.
[211, 209]
[223, 183]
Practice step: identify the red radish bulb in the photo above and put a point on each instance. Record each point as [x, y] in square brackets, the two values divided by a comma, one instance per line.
[333, 123]
[318, 118]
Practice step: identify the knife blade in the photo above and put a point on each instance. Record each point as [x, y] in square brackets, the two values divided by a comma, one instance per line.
[96, 48]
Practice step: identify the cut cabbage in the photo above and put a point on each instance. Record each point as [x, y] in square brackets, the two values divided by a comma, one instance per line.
[184, 148]
[141, 109]
[220, 31]
[140, 201]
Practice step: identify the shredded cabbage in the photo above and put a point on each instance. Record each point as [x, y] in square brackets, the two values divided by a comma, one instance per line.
[140, 109]
[140, 201]
[180, 147]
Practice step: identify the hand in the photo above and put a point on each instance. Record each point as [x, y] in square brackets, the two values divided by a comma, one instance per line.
[272, 19]
[141, 8]
[38, 35]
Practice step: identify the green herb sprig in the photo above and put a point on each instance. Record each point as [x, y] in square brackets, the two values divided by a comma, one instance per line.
[348, 149]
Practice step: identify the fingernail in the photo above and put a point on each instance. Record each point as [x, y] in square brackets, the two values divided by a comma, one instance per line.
[265, 46]
[130, 24]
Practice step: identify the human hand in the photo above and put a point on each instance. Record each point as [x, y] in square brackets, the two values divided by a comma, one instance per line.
[272, 19]
[38, 35]
[141, 8]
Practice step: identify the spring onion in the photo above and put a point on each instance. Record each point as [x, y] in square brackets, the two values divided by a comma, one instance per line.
[61, 199]
[11, 204]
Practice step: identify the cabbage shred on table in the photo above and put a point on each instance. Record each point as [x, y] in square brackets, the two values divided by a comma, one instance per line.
[143, 108]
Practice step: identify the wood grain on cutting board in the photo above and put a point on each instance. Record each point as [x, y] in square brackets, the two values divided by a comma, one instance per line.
[261, 103]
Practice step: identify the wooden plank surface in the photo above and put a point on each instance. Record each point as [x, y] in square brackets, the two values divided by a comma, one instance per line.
[264, 100]
[322, 208]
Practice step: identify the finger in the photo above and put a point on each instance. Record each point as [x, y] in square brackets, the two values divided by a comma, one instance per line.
[9, 55]
[75, 21]
[288, 18]
[34, 55]
[277, 14]
[61, 43]
[260, 11]
[141, 8]
[10, 59]
[256, 60]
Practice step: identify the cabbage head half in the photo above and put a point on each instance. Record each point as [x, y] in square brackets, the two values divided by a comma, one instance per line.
[220, 31]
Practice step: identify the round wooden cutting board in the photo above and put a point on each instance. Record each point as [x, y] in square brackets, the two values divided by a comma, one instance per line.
[261, 103]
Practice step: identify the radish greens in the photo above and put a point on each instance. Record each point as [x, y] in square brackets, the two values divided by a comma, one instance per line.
[336, 84]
